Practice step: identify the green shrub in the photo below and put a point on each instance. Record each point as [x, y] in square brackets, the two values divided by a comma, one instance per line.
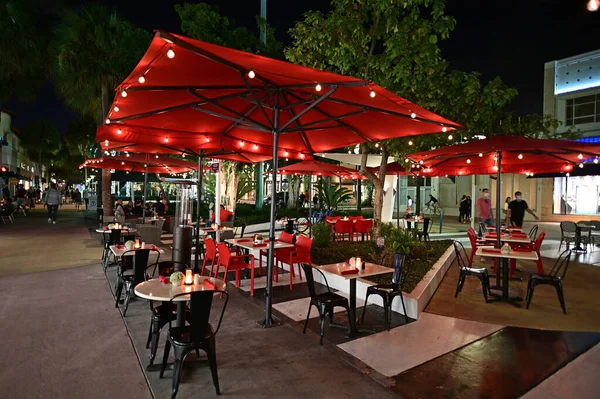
[321, 235]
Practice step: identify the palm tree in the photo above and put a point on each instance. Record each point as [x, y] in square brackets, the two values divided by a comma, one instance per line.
[95, 50]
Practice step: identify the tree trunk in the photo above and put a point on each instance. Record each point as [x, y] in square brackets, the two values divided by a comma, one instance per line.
[229, 184]
[106, 177]
[294, 199]
[378, 182]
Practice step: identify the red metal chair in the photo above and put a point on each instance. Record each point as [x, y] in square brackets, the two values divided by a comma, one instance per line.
[300, 254]
[355, 218]
[235, 263]
[476, 243]
[363, 226]
[279, 253]
[331, 222]
[535, 246]
[210, 254]
[343, 227]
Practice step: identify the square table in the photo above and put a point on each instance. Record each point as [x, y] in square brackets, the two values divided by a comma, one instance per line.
[247, 244]
[513, 254]
[507, 238]
[579, 228]
[119, 252]
[371, 269]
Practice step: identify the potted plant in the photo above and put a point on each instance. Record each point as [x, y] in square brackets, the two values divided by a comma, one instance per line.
[177, 278]
[129, 245]
[259, 239]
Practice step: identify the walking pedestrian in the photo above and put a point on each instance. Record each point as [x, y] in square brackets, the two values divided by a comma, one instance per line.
[52, 200]
[469, 204]
[409, 204]
[86, 197]
[484, 208]
[516, 211]
[462, 209]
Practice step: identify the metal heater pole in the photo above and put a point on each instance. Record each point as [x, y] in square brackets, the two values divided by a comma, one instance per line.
[498, 198]
[198, 202]
[398, 201]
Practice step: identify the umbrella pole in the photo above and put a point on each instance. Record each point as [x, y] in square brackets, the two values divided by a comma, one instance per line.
[196, 259]
[398, 201]
[145, 193]
[309, 208]
[498, 197]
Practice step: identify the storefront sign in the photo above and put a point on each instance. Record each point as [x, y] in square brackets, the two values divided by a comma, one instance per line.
[215, 167]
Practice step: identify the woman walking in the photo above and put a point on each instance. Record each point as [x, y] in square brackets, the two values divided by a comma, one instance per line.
[52, 200]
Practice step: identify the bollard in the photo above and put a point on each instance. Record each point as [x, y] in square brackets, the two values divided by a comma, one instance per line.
[441, 220]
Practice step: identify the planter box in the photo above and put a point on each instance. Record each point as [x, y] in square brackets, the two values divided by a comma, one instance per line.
[415, 302]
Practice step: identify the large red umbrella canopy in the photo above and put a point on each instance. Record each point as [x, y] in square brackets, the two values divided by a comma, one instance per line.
[520, 155]
[138, 162]
[184, 92]
[318, 168]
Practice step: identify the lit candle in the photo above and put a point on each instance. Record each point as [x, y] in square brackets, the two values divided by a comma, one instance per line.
[189, 277]
[137, 243]
[358, 262]
[197, 279]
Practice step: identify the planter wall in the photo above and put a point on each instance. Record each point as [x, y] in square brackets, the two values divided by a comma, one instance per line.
[415, 302]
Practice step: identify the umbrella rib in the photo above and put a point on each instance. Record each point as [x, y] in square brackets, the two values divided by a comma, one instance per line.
[232, 119]
[311, 106]
[302, 133]
[227, 109]
[186, 88]
[155, 112]
[331, 119]
[253, 94]
[340, 123]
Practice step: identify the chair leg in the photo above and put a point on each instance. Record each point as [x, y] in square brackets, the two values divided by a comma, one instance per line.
[211, 351]
[386, 313]
[149, 335]
[118, 293]
[483, 287]
[128, 288]
[362, 317]
[403, 307]
[322, 317]
[459, 285]
[165, 358]
[307, 317]
[561, 298]
[177, 369]
[530, 288]
[155, 337]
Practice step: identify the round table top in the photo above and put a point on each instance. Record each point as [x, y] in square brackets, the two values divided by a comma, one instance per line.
[123, 231]
[157, 291]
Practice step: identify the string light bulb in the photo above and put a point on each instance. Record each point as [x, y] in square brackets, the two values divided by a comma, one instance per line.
[241, 143]
[468, 161]
[480, 155]
[124, 93]
[255, 146]
[285, 153]
[405, 159]
[207, 139]
[413, 115]
[166, 139]
[142, 79]
[251, 74]
[450, 137]
[156, 156]
[107, 121]
[372, 93]
[302, 156]
[410, 142]
[580, 156]
[171, 53]
[593, 5]
[376, 145]
[520, 156]
[183, 154]
[596, 160]
[568, 174]
[581, 165]
[106, 143]
[318, 87]
[444, 129]
[116, 109]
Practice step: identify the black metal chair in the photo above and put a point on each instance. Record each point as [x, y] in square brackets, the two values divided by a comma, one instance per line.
[424, 234]
[324, 302]
[161, 314]
[482, 229]
[138, 275]
[568, 233]
[198, 335]
[467, 269]
[554, 278]
[389, 291]
[533, 232]
[595, 232]
[112, 237]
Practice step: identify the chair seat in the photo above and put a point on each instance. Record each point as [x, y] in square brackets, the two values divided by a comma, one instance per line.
[540, 278]
[387, 288]
[330, 297]
[183, 335]
[475, 270]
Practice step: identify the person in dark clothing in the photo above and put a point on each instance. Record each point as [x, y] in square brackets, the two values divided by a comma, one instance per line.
[462, 209]
[315, 200]
[516, 211]
[302, 197]
[160, 207]
[137, 209]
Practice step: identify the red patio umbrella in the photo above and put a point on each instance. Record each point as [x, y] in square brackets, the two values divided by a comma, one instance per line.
[185, 92]
[152, 163]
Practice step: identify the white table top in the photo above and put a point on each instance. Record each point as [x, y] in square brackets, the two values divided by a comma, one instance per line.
[344, 220]
[371, 269]
[248, 243]
[530, 255]
[157, 291]
[211, 229]
[120, 251]
[507, 238]
[123, 231]
[493, 228]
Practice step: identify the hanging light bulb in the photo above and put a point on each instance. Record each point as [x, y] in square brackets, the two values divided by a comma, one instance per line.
[251, 74]
[450, 137]
[127, 172]
[593, 5]
[480, 155]
[468, 161]
[286, 153]
[145, 165]
[372, 93]
[349, 151]
[116, 109]
[444, 129]
[127, 154]
[287, 159]
[413, 115]
[207, 139]
[580, 156]
[166, 139]
[531, 174]
[405, 159]
[581, 165]
[568, 174]
[107, 121]
[122, 163]
[302, 156]
[106, 143]
[142, 79]
[376, 145]
[410, 142]
[520, 156]
[124, 93]
[596, 160]
[421, 162]
[156, 156]
[241, 143]
[171, 53]
[496, 167]
[318, 87]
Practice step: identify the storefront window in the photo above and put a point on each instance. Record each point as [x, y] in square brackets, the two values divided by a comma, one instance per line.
[576, 195]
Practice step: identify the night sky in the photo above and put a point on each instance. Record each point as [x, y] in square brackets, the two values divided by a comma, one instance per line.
[510, 39]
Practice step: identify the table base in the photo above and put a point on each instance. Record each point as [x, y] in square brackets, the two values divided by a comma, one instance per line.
[187, 365]
[357, 330]
[273, 323]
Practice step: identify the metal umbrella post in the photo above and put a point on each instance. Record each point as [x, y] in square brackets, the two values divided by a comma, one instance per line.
[498, 197]
[310, 222]
[199, 201]
[145, 190]
[398, 201]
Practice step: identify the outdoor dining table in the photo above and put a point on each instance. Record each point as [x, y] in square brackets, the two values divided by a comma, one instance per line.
[120, 251]
[578, 230]
[337, 269]
[150, 220]
[510, 238]
[517, 254]
[247, 245]
[155, 290]
[124, 231]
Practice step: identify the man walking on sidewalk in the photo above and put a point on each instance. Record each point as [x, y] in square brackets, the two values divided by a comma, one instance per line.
[52, 200]
[484, 208]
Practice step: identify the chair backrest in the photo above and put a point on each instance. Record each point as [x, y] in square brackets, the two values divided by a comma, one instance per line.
[114, 236]
[363, 225]
[596, 224]
[461, 256]
[537, 245]
[224, 254]
[303, 244]
[355, 217]
[482, 229]
[286, 237]
[243, 229]
[533, 232]
[310, 281]
[332, 218]
[344, 226]
[472, 238]
[227, 235]
[398, 266]
[140, 262]
[200, 307]
[165, 268]
[426, 225]
[160, 223]
[211, 248]
[568, 227]
[561, 265]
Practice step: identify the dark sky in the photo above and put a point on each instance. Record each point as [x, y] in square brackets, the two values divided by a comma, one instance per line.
[510, 39]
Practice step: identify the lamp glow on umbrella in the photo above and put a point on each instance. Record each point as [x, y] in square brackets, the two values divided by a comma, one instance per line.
[193, 91]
